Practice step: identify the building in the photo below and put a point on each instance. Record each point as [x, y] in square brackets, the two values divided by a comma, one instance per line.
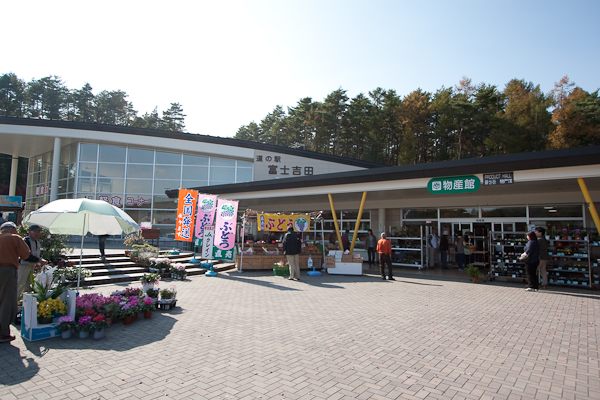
[132, 168]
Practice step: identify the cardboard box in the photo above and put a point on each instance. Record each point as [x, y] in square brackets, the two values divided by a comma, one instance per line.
[357, 260]
[346, 257]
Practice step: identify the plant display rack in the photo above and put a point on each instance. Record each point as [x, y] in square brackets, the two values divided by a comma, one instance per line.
[480, 257]
[30, 329]
[571, 263]
[408, 251]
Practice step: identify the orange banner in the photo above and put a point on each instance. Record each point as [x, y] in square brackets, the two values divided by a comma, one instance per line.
[186, 208]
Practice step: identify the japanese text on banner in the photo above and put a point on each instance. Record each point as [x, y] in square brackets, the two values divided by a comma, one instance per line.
[225, 225]
[280, 223]
[186, 208]
[207, 204]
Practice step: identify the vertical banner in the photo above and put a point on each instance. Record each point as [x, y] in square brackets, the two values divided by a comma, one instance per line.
[225, 226]
[207, 242]
[207, 204]
[186, 207]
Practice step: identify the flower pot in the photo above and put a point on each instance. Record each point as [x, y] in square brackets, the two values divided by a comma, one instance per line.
[66, 334]
[44, 320]
[146, 286]
[475, 279]
[565, 237]
[83, 335]
[99, 334]
[147, 314]
[127, 320]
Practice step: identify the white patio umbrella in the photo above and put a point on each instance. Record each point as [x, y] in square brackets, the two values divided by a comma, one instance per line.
[80, 217]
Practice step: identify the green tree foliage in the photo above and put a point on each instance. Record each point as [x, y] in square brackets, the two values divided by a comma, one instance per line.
[49, 98]
[464, 121]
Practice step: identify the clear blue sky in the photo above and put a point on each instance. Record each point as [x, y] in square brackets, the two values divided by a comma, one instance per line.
[231, 62]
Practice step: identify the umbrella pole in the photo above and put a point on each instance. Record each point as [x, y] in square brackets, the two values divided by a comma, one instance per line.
[81, 254]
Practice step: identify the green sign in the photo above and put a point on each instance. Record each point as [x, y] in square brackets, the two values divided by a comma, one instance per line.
[228, 255]
[454, 184]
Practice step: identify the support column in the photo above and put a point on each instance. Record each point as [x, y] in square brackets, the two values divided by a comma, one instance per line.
[55, 170]
[381, 222]
[14, 167]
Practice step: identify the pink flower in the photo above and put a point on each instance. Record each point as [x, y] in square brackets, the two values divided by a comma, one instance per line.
[148, 300]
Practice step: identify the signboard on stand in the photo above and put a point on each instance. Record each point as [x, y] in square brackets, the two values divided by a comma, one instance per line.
[208, 242]
[280, 223]
[225, 228]
[186, 207]
[207, 204]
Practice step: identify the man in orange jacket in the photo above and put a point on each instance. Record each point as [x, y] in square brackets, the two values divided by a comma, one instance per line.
[384, 248]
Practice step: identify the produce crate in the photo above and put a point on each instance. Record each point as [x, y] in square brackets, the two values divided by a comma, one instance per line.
[279, 270]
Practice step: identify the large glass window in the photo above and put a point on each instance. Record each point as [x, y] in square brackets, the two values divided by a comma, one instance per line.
[163, 202]
[86, 185]
[221, 175]
[139, 156]
[168, 158]
[194, 160]
[193, 184]
[138, 186]
[221, 162]
[498, 212]
[139, 171]
[111, 170]
[555, 211]
[110, 185]
[112, 154]
[87, 170]
[167, 172]
[161, 185]
[88, 152]
[195, 173]
[469, 212]
[244, 175]
[420, 213]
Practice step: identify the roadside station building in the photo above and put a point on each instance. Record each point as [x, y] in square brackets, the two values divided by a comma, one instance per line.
[141, 170]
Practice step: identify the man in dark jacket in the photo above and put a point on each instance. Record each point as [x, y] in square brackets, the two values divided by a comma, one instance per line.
[291, 248]
[26, 267]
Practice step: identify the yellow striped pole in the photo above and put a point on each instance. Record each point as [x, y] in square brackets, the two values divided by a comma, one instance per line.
[337, 228]
[588, 200]
[360, 211]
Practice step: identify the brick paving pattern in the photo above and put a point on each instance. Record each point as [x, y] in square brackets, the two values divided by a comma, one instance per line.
[257, 336]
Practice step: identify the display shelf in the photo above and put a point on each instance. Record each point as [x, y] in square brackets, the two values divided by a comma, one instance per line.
[570, 263]
[408, 249]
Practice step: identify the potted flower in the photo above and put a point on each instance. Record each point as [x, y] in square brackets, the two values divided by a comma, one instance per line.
[159, 265]
[147, 307]
[153, 293]
[133, 239]
[83, 326]
[97, 325]
[49, 306]
[473, 272]
[167, 298]
[149, 281]
[126, 312]
[66, 324]
[178, 271]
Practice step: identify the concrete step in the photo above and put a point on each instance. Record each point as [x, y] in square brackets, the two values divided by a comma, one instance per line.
[119, 268]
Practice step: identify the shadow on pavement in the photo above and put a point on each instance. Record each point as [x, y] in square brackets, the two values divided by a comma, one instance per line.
[119, 337]
[16, 366]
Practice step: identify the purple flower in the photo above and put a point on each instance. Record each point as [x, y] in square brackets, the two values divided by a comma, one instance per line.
[126, 307]
[84, 320]
[66, 318]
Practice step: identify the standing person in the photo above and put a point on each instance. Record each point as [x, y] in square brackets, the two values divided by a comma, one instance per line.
[346, 240]
[332, 237]
[12, 247]
[544, 257]
[26, 267]
[102, 246]
[432, 247]
[532, 249]
[291, 248]
[444, 249]
[384, 248]
[2, 220]
[467, 249]
[370, 244]
[460, 251]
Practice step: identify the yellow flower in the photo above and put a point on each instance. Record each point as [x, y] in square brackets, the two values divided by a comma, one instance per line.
[46, 307]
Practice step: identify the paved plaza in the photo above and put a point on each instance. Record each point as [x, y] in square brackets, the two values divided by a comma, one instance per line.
[253, 335]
